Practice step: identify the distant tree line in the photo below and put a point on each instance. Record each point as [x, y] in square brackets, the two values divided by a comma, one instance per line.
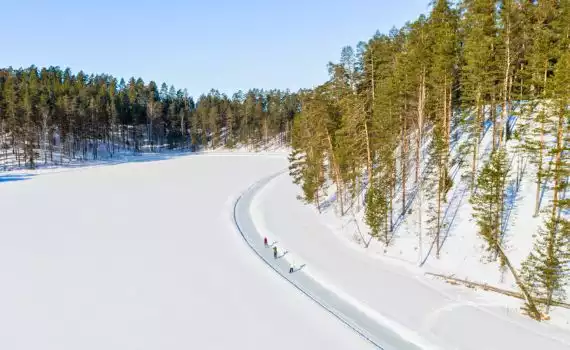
[403, 112]
[53, 115]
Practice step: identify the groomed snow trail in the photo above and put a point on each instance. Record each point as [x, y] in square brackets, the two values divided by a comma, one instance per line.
[369, 329]
[146, 256]
[395, 293]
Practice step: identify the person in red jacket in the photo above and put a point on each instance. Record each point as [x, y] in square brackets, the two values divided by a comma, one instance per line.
[265, 241]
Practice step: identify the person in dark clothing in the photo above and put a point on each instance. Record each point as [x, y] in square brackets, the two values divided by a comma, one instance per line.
[275, 252]
[291, 269]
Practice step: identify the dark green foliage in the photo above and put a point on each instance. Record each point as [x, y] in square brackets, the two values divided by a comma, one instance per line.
[488, 201]
[546, 270]
[85, 112]
[375, 213]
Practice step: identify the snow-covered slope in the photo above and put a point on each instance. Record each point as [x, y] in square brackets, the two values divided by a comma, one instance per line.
[145, 256]
[443, 315]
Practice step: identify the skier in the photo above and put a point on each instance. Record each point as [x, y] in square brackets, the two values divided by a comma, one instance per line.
[291, 268]
[275, 252]
[265, 241]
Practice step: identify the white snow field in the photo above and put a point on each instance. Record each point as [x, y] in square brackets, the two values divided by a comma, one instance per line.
[427, 312]
[146, 256]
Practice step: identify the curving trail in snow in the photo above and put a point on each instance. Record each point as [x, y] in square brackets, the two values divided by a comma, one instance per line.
[146, 256]
[380, 336]
[427, 312]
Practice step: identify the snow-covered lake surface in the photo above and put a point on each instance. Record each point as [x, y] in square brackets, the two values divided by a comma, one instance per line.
[145, 256]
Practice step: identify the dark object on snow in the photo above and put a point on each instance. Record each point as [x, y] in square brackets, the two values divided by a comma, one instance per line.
[265, 241]
[291, 269]
[275, 252]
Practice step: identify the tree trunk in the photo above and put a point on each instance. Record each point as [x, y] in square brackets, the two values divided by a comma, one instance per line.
[438, 222]
[392, 192]
[504, 112]
[494, 119]
[533, 309]
[336, 173]
[539, 171]
[478, 125]
[368, 154]
[404, 160]
[555, 197]
[421, 101]
[541, 147]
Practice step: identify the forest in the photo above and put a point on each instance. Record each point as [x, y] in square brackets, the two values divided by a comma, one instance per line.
[50, 115]
[408, 108]
[402, 111]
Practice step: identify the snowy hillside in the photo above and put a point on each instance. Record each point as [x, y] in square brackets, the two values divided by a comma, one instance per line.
[406, 258]
[389, 286]
[462, 248]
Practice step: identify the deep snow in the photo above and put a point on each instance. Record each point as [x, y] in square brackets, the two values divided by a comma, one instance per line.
[145, 256]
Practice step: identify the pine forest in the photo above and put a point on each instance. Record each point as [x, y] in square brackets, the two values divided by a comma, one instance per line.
[458, 106]
[466, 101]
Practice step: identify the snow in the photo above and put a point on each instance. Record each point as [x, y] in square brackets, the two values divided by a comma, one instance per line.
[382, 334]
[145, 255]
[430, 311]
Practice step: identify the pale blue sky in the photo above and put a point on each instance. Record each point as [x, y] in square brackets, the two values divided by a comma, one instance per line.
[198, 45]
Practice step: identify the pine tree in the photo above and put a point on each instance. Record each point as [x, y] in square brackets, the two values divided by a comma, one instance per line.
[376, 211]
[309, 148]
[487, 201]
[546, 269]
[443, 27]
[536, 122]
[479, 27]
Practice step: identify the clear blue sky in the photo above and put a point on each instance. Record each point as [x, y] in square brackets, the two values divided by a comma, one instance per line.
[198, 45]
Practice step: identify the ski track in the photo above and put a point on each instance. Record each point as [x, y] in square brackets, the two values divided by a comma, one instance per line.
[360, 315]
[145, 256]
[437, 323]
[379, 335]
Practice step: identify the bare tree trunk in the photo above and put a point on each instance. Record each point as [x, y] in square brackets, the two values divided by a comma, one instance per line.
[420, 233]
[449, 115]
[404, 158]
[368, 153]
[438, 222]
[150, 135]
[541, 148]
[494, 119]
[392, 191]
[478, 124]
[421, 106]
[336, 172]
[317, 198]
[265, 131]
[533, 309]
[555, 203]
[504, 112]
